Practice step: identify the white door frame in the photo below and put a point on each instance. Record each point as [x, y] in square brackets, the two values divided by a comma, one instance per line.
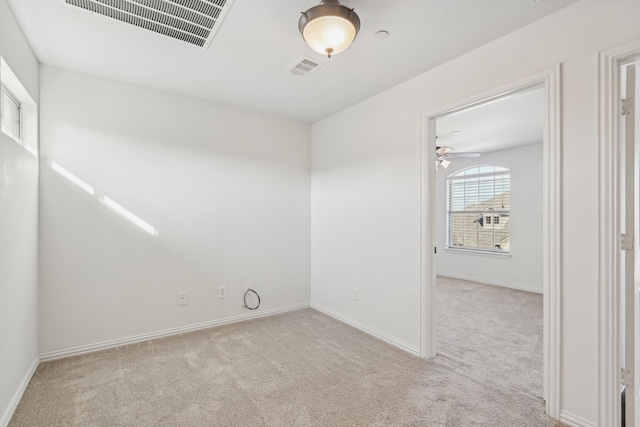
[609, 400]
[551, 224]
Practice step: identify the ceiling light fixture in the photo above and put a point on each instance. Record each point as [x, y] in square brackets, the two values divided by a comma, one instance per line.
[329, 28]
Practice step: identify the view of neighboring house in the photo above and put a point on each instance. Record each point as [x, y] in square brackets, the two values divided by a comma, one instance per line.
[484, 225]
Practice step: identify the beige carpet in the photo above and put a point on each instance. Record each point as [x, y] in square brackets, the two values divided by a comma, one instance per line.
[491, 333]
[295, 369]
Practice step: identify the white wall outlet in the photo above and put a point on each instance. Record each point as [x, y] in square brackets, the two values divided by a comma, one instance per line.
[355, 294]
[222, 292]
[182, 298]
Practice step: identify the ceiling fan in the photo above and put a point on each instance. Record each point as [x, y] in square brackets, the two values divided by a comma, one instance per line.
[444, 154]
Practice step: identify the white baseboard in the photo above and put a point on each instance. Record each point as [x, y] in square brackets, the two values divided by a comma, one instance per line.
[75, 351]
[8, 413]
[574, 421]
[493, 283]
[369, 330]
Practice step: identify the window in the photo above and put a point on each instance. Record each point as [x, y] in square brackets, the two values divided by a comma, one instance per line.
[478, 209]
[10, 117]
[18, 111]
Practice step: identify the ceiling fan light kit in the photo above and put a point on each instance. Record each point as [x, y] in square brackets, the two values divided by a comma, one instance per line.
[329, 28]
[443, 162]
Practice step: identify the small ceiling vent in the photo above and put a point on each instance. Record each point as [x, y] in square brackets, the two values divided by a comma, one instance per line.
[191, 21]
[304, 66]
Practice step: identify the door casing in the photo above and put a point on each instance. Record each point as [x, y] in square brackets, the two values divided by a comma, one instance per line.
[551, 222]
[610, 227]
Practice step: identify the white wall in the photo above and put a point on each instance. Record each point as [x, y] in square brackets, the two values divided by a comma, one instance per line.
[228, 191]
[366, 184]
[18, 234]
[523, 268]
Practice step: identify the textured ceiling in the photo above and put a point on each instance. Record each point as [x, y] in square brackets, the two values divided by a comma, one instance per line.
[258, 40]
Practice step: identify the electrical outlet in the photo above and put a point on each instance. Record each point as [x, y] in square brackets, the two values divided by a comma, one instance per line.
[182, 298]
[222, 292]
[355, 294]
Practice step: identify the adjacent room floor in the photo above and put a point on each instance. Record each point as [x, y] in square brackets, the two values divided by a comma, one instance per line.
[300, 368]
[491, 333]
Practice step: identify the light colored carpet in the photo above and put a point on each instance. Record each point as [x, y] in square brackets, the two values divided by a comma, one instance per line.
[295, 369]
[491, 333]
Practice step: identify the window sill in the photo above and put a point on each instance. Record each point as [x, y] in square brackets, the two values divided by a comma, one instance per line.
[499, 255]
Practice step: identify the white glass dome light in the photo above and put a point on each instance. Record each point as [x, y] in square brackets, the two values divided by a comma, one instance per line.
[329, 28]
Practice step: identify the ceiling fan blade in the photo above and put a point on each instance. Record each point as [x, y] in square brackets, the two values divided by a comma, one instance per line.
[454, 155]
[443, 150]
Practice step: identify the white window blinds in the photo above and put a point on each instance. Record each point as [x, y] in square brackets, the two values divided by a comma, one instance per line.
[478, 215]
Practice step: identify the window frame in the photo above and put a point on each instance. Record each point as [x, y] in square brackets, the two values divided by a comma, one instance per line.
[5, 92]
[482, 213]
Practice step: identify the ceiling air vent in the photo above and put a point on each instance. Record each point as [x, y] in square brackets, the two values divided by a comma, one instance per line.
[304, 66]
[192, 21]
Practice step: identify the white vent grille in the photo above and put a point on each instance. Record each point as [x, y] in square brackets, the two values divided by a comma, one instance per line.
[192, 21]
[304, 66]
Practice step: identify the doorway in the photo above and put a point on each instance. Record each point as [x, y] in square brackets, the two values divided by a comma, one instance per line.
[619, 220]
[628, 262]
[550, 82]
[489, 307]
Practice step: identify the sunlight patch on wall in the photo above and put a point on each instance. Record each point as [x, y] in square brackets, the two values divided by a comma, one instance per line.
[71, 177]
[110, 203]
[129, 215]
